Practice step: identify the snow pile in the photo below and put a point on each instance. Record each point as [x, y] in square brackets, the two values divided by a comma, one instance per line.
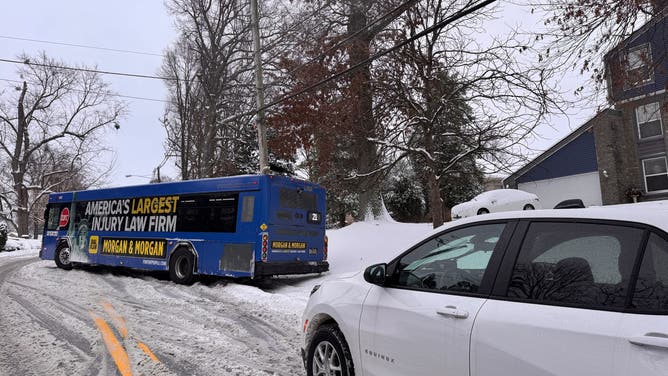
[351, 249]
[361, 244]
[21, 247]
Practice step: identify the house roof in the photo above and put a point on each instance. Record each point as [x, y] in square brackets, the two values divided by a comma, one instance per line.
[637, 33]
[510, 180]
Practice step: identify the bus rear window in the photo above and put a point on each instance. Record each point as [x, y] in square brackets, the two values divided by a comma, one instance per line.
[297, 199]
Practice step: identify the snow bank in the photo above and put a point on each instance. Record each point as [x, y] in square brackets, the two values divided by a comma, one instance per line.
[17, 247]
[361, 244]
[351, 249]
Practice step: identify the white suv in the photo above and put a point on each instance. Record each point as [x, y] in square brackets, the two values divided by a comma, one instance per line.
[554, 292]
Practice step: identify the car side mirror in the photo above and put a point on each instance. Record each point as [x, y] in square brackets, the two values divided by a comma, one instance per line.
[375, 274]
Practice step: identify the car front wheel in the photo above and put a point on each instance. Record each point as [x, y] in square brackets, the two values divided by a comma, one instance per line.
[329, 354]
[528, 207]
[483, 211]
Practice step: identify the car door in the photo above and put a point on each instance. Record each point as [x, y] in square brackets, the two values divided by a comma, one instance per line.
[644, 328]
[558, 303]
[420, 322]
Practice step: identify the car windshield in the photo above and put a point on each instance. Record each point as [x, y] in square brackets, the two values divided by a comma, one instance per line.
[459, 250]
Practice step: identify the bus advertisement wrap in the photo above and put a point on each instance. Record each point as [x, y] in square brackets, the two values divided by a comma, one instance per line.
[150, 214]
[145, 248]
[239, 226]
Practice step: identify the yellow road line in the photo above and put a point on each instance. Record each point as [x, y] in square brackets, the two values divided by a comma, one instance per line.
[116, 319]
[113, 346]
[148, 351]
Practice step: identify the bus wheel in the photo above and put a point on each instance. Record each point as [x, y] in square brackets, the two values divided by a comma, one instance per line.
[62, 257]
[182, 266]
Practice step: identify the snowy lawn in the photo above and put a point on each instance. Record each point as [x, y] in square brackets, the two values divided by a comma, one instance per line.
[17, 247]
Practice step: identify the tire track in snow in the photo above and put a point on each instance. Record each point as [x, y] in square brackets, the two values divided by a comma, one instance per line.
[193, 330]
[10, 361]
[52, 335]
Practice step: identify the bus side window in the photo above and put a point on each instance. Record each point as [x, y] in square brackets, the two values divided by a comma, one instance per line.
[247, 208]
[223, 214]
[208, 213]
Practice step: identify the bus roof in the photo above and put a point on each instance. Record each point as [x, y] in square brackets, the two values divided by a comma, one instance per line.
[221, 184]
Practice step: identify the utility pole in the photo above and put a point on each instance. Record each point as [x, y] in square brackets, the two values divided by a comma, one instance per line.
[259, 86]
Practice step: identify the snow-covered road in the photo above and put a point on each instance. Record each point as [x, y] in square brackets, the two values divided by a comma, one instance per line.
[49, 325]
[99, 321]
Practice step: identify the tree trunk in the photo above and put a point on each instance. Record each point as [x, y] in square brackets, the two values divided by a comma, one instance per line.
[19, 166]
[22, 209]
[436, 201]
[364, 126]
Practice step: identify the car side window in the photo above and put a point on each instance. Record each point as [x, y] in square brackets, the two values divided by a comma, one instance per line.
[453, 261]
[582, 264]
[651, 289]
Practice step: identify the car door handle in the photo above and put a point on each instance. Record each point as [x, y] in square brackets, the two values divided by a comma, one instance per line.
[651, 339]
[452, 311]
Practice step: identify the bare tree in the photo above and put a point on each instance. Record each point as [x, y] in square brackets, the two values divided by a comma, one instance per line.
[55, 113]
[451, 103]
[344, 36]
[209, 73]
[580, 32]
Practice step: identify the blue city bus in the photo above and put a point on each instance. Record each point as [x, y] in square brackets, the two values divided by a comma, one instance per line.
[241, 226]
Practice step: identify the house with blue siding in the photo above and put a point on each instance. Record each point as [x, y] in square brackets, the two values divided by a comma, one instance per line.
[620, 155]
[569, 169]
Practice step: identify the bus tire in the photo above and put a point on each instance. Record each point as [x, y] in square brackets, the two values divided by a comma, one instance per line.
[63, 257]
[182, 267]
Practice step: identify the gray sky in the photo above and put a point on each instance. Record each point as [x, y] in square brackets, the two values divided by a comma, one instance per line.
[145, 26]
[142, 26]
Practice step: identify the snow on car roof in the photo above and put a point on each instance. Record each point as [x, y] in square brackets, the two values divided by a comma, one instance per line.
[653, 213]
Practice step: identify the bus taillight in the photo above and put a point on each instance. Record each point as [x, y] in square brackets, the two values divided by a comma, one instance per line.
[324, 250]
[265, 241]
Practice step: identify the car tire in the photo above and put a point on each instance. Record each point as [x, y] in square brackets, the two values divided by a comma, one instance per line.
[528, 207]
[63, 257]
[329, 354]
[182, 267]
[483, 211]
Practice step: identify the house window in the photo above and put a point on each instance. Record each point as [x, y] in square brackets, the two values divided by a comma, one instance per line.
[656, 174]
[638, 66]
[648, 118]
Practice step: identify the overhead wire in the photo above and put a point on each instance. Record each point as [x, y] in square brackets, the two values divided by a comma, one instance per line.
[80, 46]
[134, 75]
[353, 36]
[65, 67]
[439, 25]
[110, 94]
[458, 15]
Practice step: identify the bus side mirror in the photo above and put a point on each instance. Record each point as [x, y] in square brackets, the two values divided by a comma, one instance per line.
[375, 274]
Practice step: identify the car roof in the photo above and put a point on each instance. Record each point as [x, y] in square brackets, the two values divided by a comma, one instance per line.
[653, 213]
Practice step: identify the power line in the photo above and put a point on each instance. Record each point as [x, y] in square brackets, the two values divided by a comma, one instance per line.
[440, 25]
[110, 94]
[81, 46]
[355, 35]
[134, 75]
[460, 14]
[27, 62]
